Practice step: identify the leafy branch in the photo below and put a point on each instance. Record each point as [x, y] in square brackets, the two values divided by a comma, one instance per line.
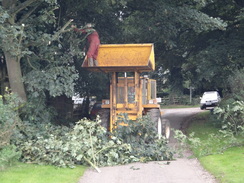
[89, 143]
[27, 15]
[22, 6]
[62, 30]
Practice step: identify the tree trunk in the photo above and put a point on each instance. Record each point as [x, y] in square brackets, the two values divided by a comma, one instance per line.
[15, 76]
[3, 74]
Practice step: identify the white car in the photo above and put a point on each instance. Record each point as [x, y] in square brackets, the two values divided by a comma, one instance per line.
[209, 99]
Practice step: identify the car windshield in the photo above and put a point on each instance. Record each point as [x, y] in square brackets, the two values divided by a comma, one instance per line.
[209, 95]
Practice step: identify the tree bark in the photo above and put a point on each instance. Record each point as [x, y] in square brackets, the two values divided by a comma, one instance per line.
[15, 76]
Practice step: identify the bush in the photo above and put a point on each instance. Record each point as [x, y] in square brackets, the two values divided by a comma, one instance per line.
[204, 139]
[8, 156]
[9, 119]
[236, 85]
[88, 143]
[232, 116]
[9, 105]
[143, 138]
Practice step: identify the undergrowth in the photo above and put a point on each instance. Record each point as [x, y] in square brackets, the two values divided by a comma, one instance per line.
[209, 141]
[220, 151]
[88, 143]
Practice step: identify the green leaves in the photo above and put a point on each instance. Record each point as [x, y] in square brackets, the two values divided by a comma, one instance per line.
[3, 15]
[179, 30]
[88, 143]
[57, 81]
[9, 105]
[30, 39]
[232, 116]
[8, 156]
[142, 137]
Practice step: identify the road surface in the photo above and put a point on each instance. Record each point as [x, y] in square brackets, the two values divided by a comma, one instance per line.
[181, 170]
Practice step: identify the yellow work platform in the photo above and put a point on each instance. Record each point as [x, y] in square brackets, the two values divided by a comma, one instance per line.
[124, 58]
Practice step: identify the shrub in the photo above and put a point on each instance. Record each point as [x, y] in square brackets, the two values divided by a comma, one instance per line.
[8, 156]
[204, 139]
[9, 105]
[232, 116]
[236, 84]
[88, 143]
[9, 119]
[143, 138]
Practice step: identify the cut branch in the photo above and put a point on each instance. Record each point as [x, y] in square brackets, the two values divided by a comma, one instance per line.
[62, 30]
[22, 6]
[29, 13]
[92, 164]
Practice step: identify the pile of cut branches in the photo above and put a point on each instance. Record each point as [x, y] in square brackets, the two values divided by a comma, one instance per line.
[88, 143]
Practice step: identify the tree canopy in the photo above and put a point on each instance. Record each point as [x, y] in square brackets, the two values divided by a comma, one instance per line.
[31, 44]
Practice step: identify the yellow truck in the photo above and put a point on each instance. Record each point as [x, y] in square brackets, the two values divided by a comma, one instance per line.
[130, 91]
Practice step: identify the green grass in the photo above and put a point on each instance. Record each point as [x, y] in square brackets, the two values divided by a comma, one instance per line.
[227, 167]
[226, 164]
[30, 173]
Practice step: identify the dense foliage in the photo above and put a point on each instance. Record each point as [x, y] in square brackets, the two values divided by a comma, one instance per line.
[88, 143]
[143, 138]
[9, 119]
[232, 116]
[9, 155]
[211, 140]
[231, 111]
[195, 42]
[236, 85]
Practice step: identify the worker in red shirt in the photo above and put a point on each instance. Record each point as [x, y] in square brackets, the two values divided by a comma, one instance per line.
[93, 41]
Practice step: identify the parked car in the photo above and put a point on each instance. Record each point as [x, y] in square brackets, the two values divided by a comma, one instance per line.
[209, 99]
[94, 111]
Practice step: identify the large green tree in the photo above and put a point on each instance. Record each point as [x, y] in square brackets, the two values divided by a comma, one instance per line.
[31, 43]
[173, 26]
[105, 16]
[218, 54]
[198, 41]
[180, 30]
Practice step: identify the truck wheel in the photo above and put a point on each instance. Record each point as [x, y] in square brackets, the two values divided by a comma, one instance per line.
[154, 115]
[162, 125]
[159, 127]
[105, 118]
[166, 128]
[163, 128]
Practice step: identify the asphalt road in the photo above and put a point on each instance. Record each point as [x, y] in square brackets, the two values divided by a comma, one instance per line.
[181, 170]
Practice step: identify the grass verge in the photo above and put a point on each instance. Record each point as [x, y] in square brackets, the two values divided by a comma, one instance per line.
[226, 164]
[178, 106]
[30, 173]
[227, 167]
